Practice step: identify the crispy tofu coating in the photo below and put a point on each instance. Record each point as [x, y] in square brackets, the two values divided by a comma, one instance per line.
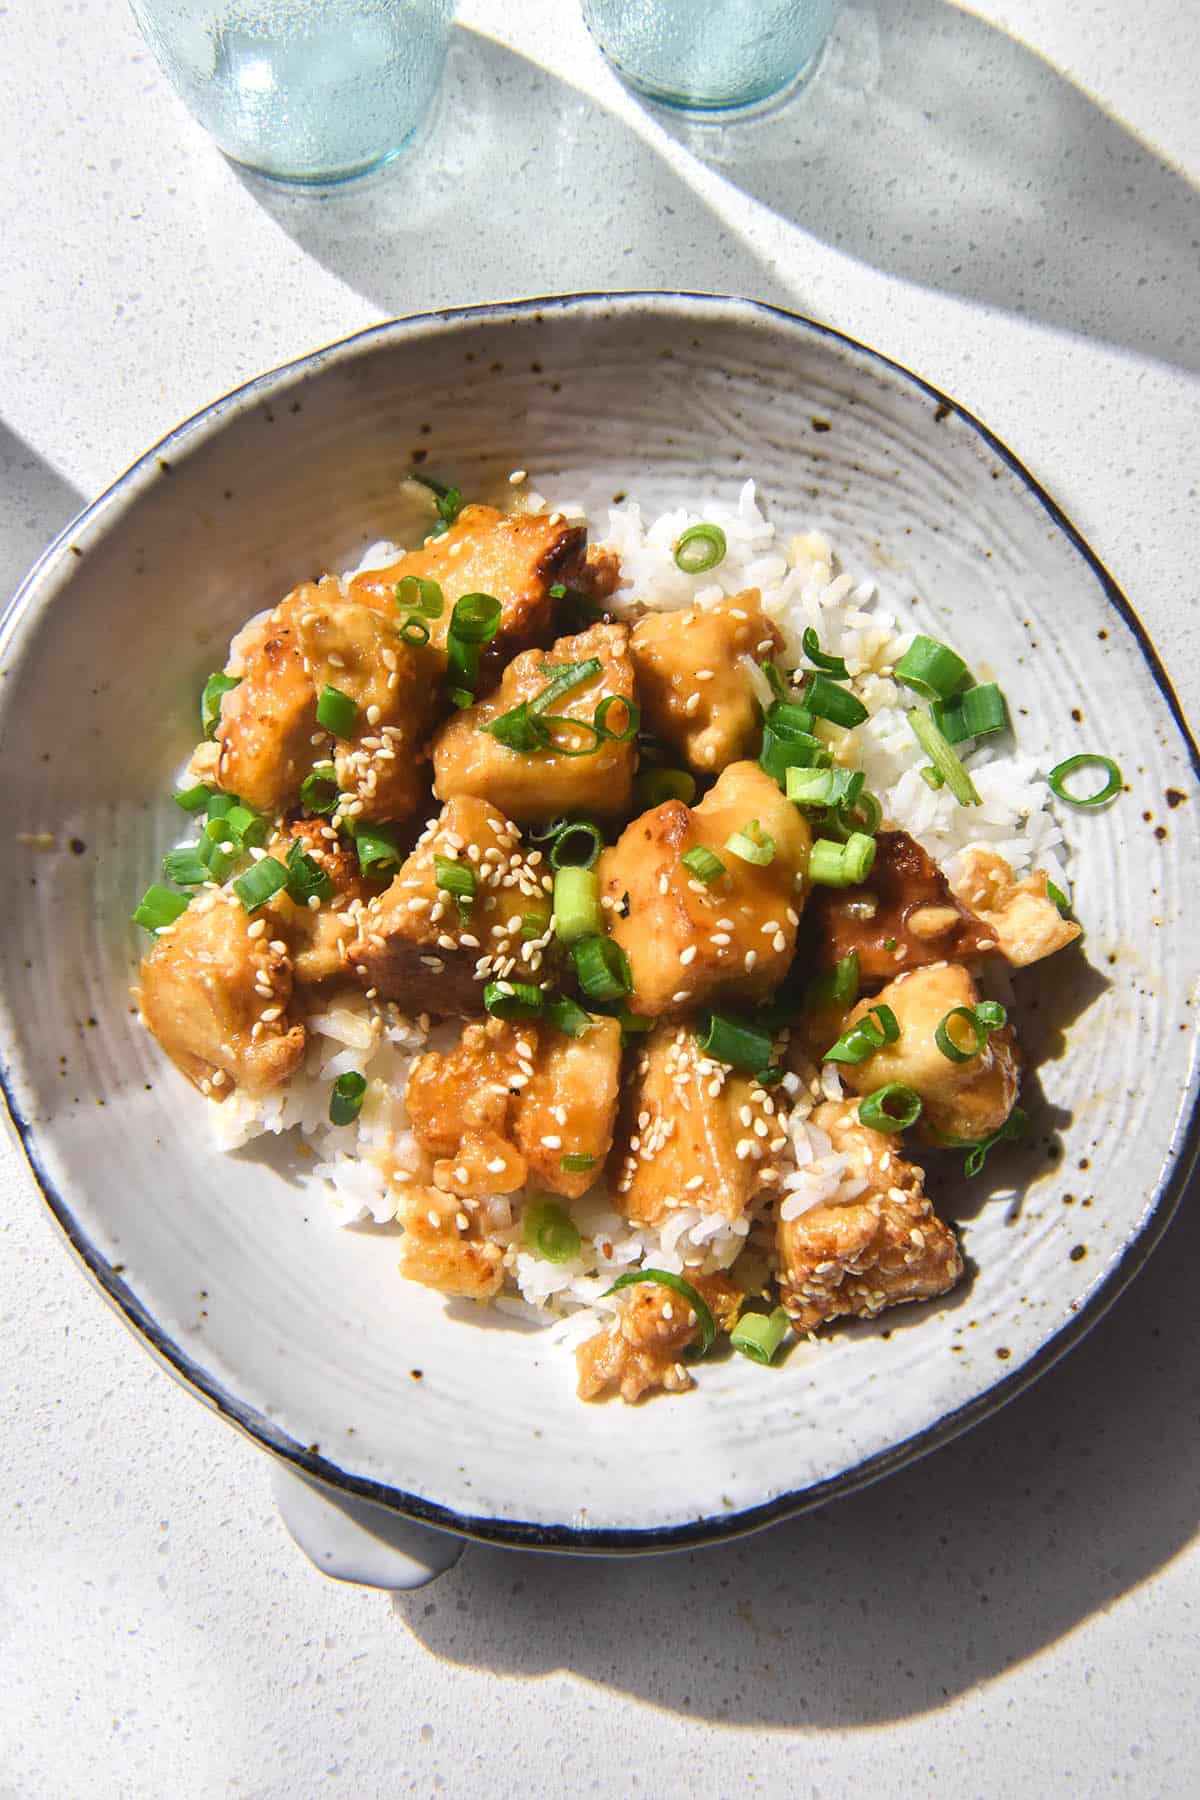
[415, 945]
[510, 1101]
[316, 937]
[902, 917]
[960, 1100]
[686, 942]
[640, 1352]
[267, 723]
[693, 1132]
[859, 1256]
[696, 692]
[443, 1247]
[516, 558]
[542, 784]
[215, 992]
[1022, 917]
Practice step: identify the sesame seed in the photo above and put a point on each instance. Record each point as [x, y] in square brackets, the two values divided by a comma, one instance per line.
[681, 995]
[497, 1166]
[779, 943]
[688, 955]
[750, 959]
[721, 937]
[257, 928]
[461, 1176]
[704, 674]
[517, 477]
[433, 1219]
[553, 1142]
[269, 1014]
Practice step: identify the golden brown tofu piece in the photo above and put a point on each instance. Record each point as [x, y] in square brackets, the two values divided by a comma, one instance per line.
[443, 1248]
[640, 1352]
[516, 559]
[267, 723]
[688, 943]
[511, 1100]
[215, 992]
[696, 693]
[693, 1132]
[397, 689]
[860, 1256]
[966, 1100]
[902, 917]
[317, 937]
[1022, 917]
[541, 784]
[415, 945]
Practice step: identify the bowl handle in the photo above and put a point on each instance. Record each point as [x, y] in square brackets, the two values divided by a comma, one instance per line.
[350, 1539]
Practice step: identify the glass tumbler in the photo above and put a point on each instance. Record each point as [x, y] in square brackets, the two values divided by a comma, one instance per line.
[303, 90]
[711, 56]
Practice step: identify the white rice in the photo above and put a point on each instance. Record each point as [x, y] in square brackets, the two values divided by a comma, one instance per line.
[801, 586]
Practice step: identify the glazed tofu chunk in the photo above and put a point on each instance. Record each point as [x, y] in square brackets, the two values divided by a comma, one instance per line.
[511, 1101]
[264, 735]
[693, 1132]
[443, 1247]
[696, 691]
[517, 559]
[529, 785]
[902, 917]
[640, 1352]
[1024, 920]
[883, 1246]
[414, 944]
[966, 1100]
[215, 992]
[687, 943]
[317, 936]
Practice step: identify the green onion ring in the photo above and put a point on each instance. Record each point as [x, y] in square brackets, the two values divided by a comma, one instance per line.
[1086, 759]
[700, 548]
[893, 1107]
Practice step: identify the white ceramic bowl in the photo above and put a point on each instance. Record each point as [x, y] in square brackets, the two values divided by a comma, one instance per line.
[302, 1333]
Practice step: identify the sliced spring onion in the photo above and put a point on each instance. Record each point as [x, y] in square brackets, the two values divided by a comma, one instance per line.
[567, 1016]
[513, 999]
[575, 1162]
[775, 681]
[833, 666]
[769, 1077]
[416, 594]
[186, 866]
[519, 730]
[759, 1335]
[346, 1097]
[699, 548]
[549, 1230]
[414, 632]
[942, 757]
[870, 1033]
[194, 799]
[826, 700]
[306, 877]
[1086, 759]
[246, 827]
[576, 845]
[931, 669]
[893, 1107]
[379, 855]
[577, 911]
[219, 804]
[475, 619]
[261, 883]
[836, 987]
[862, 814]
[831, 864]
[533, 925]
[216, 849]
[633, 1025]
[789, 742]
[210, 700]
[656, 785]
[932, 777]
[462, 670]
[602, 968]
[545, 834]
[665, 1278]
[159, 906]
[558, 590]
[336, 711]
[977, 1148]
[703, 864]
[752, 844]
[633, 718]
[736, 1043]
[319, 790]
[1060, 899]
[823, 787]
[447, 500]
[977, 713]
[456, 879]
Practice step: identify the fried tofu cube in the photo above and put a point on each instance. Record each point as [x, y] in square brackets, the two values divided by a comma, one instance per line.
[1024, 920]
[692, 1132]
[879, 1249]
[215, 992]
[511, 1100]
[517, 559]
[414, 944]
[443, 1248]
[966, 1100]
[640, 1352]
[541, 784]
[902, 917]
[266, 725]
[696, 690]
[687, 942]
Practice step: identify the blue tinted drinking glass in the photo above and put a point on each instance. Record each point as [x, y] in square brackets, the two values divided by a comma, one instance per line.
[711, 56]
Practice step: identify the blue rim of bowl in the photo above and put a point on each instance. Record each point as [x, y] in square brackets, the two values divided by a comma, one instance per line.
[1180, 1158]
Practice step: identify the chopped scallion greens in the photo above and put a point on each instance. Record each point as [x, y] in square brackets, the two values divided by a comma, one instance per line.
[194, 799]
[576, 1161]
[1085, 760]
[416, 594]
[931, 669]
[457, 879]
[836, 987]
[893, 1107]
[752, 844]
[577, 911]
[186, 866]
[977, 713]
[979, 1020]
[336, 712]
[576, 845]
[833, 666]
[826, 700]
[379, 855]
[876, 1028]
[567, 1016]
[700, 548]
[703, 865]
[215, 688]
[656, 785]
[945, 762]
[736, 1043]
[305, 876]
[759, 1335]
[550, 1230]
[159, 907]
[513, 999]
[831, 864]
[1060, 899]
[319, 790]
[260, 883]
[346, 1098]
[977, 1148]
[602, 968]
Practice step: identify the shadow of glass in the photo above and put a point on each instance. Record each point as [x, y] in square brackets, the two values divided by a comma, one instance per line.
[37, 504]
[884, 1605]
[520, 184]
[933, 146]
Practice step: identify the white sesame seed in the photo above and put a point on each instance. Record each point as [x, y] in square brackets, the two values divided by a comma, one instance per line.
[517, 477]
[497, 1166]
[552, 1142]
[681, 995]
[269, 1014]
[750, 959]
[688, 955]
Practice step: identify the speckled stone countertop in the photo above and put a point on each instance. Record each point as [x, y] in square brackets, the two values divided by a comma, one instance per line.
[1006, 199]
